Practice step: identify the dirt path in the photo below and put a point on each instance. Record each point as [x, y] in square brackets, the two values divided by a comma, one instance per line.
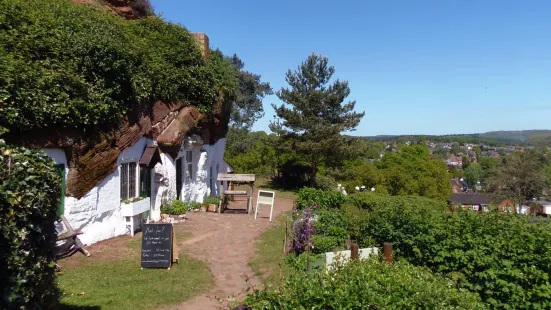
[226, 242]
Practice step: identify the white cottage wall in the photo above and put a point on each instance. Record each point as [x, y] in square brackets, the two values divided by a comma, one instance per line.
[98, 214]
[163, 191]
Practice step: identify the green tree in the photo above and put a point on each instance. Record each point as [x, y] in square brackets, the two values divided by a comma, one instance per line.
[473, 174]
[478, 151]
[411, 171]
[520, 177]
[314, 114]
[247, 107]
[455, 150]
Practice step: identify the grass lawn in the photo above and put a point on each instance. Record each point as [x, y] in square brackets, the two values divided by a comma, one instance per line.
[117, 282]
[267, 184]
[268, 261]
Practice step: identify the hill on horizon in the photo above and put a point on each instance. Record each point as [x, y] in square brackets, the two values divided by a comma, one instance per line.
[528, 137]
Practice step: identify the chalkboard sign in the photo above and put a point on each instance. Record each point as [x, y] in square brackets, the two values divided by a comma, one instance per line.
[157, 246]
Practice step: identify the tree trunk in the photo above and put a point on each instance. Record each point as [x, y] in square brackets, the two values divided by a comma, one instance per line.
[314, 172]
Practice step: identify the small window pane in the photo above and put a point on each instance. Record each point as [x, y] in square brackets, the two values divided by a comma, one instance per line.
[132, 180]
[124, 181]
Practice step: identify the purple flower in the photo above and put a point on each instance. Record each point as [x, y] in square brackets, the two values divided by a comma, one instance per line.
[303, 230]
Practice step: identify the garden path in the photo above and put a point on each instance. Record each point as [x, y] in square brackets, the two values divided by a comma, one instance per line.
[226, 243]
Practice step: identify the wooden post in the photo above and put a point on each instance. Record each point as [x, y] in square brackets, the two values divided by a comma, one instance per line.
[175, 258]
[354, 251]
[387, 249]
[285, 238]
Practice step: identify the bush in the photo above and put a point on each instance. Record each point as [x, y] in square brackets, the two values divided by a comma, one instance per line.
[504, 258]
[368, 201]
[324, 199]
[175, 207]
[325, 183]
[29, 193]
[211, 200]
[178, 207]
[355, 218]
[194, 205]
[369, 284]
[330, 231]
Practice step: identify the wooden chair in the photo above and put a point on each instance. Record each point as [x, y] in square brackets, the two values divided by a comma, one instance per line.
[267, 198]
[71, 234]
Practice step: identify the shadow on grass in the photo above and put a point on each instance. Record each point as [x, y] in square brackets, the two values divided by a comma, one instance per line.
[73, 307]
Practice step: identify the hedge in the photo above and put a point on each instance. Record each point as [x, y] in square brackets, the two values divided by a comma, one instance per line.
[29, 193]
[504, 258]
[369, 284]
[330, 231]
[324, 199]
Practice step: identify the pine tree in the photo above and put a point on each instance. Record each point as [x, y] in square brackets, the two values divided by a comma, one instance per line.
[314, 115]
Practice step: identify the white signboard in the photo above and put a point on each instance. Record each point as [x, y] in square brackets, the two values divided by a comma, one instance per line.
[344, 256]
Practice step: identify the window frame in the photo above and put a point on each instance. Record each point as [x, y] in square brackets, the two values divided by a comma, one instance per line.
[136, 180]
[189, 164]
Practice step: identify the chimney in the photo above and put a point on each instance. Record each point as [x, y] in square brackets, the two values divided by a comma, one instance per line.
[203, 40]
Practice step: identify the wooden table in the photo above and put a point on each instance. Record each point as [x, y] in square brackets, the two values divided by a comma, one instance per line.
[248, 179]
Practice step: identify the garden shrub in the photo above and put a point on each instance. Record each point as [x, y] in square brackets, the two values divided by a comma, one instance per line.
[325, 182]
[30, 190]
[368, 284]
[504, 258]
[330, 231]
[368, 200]
[355, 218]
[178, 207]
[211, 200]
[324, 199]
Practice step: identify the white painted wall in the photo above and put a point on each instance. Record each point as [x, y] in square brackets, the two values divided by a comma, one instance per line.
[98, 213]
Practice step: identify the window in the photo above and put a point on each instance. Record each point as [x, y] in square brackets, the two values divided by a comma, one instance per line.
[211, 182]
[189, 165]
[145, 182]
[128, 181]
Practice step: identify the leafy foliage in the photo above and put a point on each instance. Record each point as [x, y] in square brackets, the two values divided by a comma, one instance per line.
[324, 199]
[247, 107]
[369, 284]
[506, 259]
[211, 200]
[177, 207]
[69, 65]
[29, 193]
[411, 171]
[520, 177]
[331, 231]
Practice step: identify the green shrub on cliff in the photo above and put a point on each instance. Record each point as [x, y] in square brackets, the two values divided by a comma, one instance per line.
[69, 65]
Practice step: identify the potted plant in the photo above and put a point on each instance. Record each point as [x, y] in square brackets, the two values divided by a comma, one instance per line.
[211, 202]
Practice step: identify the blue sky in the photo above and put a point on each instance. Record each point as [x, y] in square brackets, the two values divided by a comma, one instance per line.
[414, 67]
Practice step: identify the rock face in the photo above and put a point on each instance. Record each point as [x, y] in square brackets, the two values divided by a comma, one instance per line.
[129, 9]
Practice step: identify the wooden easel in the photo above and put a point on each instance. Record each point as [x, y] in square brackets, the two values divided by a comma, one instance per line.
[175, 258]
[72, 234]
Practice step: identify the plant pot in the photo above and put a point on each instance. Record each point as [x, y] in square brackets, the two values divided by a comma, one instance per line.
[211, 208]
[203, 208]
